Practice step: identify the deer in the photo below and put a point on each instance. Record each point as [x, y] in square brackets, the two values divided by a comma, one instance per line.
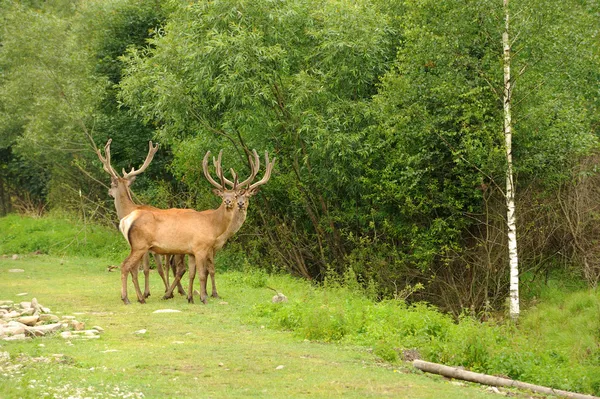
[177, 231]
[243, 196]
[124, 205]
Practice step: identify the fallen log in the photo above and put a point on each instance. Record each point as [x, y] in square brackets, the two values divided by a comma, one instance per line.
[453, 372]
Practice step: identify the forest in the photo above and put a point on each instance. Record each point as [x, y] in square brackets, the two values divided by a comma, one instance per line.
[385, 116]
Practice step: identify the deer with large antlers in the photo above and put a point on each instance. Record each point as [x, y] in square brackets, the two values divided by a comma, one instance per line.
[181, 231]
[124, 205]
[243, 195]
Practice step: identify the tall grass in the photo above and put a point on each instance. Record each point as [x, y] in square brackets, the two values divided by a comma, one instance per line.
[555, 344]
[60, 235]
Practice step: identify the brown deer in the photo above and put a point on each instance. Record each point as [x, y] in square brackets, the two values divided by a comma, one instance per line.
[124, 205]
[177, 231]
[243, 195]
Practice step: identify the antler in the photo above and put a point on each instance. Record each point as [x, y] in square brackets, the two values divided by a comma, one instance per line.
[219, 171]
[106, 161]
[268, 170]
[254, 167]
[151, 151]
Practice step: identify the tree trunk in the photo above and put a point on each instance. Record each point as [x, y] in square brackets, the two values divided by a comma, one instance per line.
[453, 372]
[510, 184]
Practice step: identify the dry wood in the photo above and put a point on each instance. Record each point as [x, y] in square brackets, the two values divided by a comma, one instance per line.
[453, 372]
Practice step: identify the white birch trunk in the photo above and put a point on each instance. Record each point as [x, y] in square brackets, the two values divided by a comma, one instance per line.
[510, 186]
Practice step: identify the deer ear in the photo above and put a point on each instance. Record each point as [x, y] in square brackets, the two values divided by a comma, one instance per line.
[130, 180]
[253, 191]
[217, 192]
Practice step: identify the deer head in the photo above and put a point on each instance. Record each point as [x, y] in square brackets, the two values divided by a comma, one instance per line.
[117, 182]
[244, 190]
[228, 196]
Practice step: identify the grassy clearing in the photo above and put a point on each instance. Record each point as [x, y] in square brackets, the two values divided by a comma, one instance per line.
[217, 350]
[331, 340]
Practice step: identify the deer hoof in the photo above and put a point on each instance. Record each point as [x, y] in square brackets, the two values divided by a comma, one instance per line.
[126, 301]
[167, 297]
[142, 300]
[190, 299]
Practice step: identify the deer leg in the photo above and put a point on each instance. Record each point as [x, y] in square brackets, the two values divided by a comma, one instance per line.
[211, 270]
[130, 265]
[201, 260]
[178, 271]
[161, 271]
[180, 264]
[136, 285]
[192, 275]
[146, 268]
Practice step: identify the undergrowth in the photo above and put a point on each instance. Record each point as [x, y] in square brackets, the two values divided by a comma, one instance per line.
[554, 345]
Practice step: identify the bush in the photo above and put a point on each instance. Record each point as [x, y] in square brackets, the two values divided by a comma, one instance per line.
[535, 351]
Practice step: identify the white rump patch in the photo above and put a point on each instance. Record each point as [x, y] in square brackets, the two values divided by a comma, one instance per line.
[125, 224]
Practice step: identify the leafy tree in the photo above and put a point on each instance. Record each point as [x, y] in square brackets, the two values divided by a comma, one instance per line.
[57, 87]
[440, 127]
[291, 77]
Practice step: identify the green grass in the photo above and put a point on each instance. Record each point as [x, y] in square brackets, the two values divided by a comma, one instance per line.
[219, 350]
[332, 339]
[60, 236]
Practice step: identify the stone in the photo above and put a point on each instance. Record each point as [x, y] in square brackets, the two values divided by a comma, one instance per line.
[49, 317]
[99, 329]
[85, 332]
[11, 315]
[34, 332]
[142, 331]
[15, 257]
[28, 320]
[16, 270]
[50, 327]
[66, 334]
[25, 305]
[280, 367]
[6, 302]
[14, 327]
[279, 298]
[77, 325]
[18, 337]
[27, 312]
[22, 294]
[167, 311]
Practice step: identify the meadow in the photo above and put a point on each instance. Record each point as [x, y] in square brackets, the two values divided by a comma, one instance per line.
[328, 340]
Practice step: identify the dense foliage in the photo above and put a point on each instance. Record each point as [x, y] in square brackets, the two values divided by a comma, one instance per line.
[385, 118]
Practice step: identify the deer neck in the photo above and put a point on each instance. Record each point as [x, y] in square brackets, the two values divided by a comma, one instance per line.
[123, 202]
[237, 221]
[225, 217]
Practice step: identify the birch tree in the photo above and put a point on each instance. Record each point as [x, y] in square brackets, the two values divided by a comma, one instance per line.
[510, 182]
